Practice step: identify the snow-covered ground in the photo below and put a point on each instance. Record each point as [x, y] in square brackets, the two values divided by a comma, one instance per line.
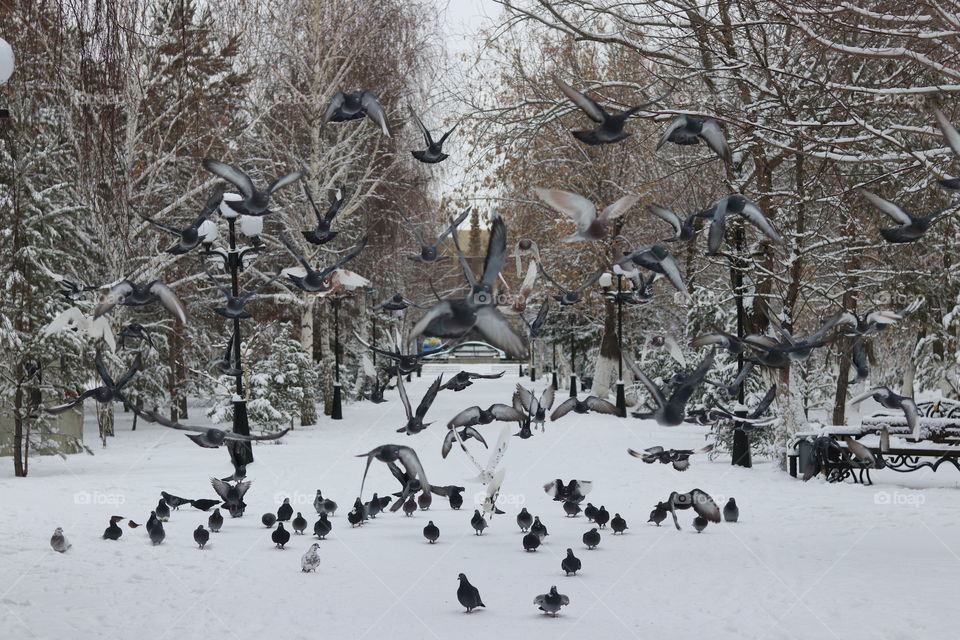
[806, 560]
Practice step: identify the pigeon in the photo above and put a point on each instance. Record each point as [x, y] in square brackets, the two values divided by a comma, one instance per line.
[700, 523]
[524, 519]
[322, 527]
[157, 533]
[254, 202]
[872, 323]
[588, 404]
[570, 563]
[536, 408]
[488, 474]
[731, 512]
[590, 511]
[410, 506]
[890, 400]
[591, 538]
[748, 421]
[107, 393]
[235, 307]
[464, 434]
[317, 280]
[225, 366]
[732, 390]
[396, 302]
[415, 423]
[478, 522]
[162, 511]
[322, 233]
[407, 457]
[684, 229]
[232, 496]
[285, 511]
[534, 328]
[570, 297]
[912, 227]
[151, 521]
[201, 536]
[280, 536]
[797, 350]
[538, 528]
[135, 331]
[208, 437]
[174, 501]
[59, 543]
[699, 500]
[863, 455]
[531, 541]
[424, 500]
[609, 126]
[572, 509]
[686, 130]
[431, 532]
[355, 516]
[352, 106]
[573, 491]
[602, 517]
[215, 521]
[656, 258]
[673, 411]
[204, 504]
[190, 237]
[128, 293]
[618, 524]
[735, 204]
[429, 252]
[551, 602]
[456, 500]
[318, 503]
[455, 318]
[659, 513]
[464, 379]
[311, 559]
[299, 524]
[268, 520]
[468, 595]
[679, 458]
[434, 151]
[405, 363]
[475, 415]
[591, 226]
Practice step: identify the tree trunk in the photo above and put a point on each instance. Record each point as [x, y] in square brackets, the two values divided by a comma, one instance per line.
[308, 407]
[605, 370]
[19, 439]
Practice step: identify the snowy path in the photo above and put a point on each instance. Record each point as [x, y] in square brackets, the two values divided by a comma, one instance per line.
[814, 560]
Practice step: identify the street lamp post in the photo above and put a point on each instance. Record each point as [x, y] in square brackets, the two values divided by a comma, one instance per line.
[233, 262]
[336, 411]
[606, 280]
[573, 365]
[553, 369]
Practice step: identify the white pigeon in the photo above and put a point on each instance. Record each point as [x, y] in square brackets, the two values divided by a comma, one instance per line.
[311, 559]
[59, 542]
[73, 319]
[487, 474]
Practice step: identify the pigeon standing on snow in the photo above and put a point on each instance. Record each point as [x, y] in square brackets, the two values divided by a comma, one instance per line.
[280, 536]
[299, 524]
[201, 536]
[468, 595]
[162, 511]
[524, 519]
[58, 541]
[531, 541]
[215, 521]
[322, 527]
[602, 517]
[659, 514]
[113, 532]
[572, 509]
[410, 506]
[268, 519]
[478, 522]
[591, 538]
[571, 563]
[551, 602]
[590, 511]
[731, 512]
[157, 533]
[285, 512]
[431, 532]
[700, 523]
[618, 524]
[538, 528]
[311, 559]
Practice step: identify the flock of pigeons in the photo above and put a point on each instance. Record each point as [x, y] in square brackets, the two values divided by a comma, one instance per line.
[476, 313]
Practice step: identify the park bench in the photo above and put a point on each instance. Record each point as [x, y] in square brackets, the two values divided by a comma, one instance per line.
[938, 443]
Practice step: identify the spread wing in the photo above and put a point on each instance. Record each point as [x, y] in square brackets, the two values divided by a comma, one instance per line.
[667, 216]
[887, 207]
[578, 208]
[231, 174]
[593, 110]
[168, 299]
[375, 111]
[712, 134]
[619, 207]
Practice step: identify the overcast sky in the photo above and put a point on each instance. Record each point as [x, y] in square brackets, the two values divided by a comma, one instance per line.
[463, 19]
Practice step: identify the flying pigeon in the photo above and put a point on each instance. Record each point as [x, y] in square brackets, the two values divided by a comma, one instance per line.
[254, 202]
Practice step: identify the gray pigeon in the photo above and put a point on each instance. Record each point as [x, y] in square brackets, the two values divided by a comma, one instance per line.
[157, 533]
[571, 563]
[468, 595]
[590, 224]
[551, 602]
[201, 536]
[478, 522]
[299, 524]
[591, 538]
[58, 542]
[731, 512]
[254, 201]
[215, 521]
[431, 532]
[311, 559]
[113, 532]
[687, 130]
[322, 527]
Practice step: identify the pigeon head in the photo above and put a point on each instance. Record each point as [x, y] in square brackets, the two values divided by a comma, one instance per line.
[462, 577]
